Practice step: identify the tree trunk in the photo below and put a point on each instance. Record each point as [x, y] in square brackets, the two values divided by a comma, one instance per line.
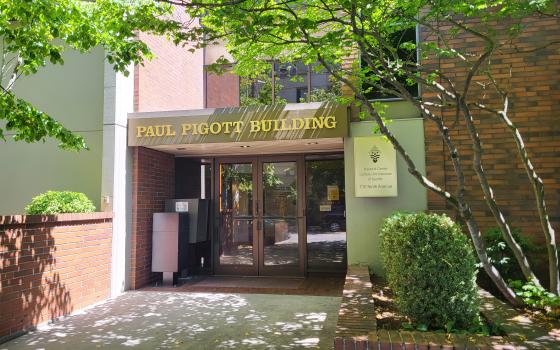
[490, 199]
[492, 272]
[461, 206]
[538, 189]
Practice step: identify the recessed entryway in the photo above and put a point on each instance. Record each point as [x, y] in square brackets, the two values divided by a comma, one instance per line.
[260, 216]
[279, 215]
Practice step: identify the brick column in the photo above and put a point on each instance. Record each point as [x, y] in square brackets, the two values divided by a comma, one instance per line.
[153, 181]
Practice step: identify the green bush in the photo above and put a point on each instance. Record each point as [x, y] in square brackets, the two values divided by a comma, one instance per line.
[501, 255]
[431, 269]
[537, 297]
[57, 202]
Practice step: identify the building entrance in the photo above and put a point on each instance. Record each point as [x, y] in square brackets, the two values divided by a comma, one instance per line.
[260, 216]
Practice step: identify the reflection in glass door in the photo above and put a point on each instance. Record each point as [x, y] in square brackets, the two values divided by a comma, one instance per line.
[279, 219]
[237, 246]
[260, 219]
[325, 215]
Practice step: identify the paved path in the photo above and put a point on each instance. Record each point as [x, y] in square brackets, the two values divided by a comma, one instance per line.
[171, 320]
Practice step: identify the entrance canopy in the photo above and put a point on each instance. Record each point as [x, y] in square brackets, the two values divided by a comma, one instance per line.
[291, 128]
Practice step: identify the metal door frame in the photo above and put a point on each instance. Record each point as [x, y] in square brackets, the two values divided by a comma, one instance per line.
[258, 268]
[219, 269]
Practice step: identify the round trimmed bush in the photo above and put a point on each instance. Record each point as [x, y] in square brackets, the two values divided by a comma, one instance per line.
[431, 268]
[58, 202]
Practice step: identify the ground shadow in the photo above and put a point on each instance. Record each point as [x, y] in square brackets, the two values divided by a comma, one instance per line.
[169, 320]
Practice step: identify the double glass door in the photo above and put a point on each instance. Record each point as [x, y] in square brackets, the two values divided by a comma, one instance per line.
[260, 216]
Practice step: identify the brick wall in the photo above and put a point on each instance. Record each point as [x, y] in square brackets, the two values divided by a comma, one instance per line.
[534, 107]
[51, 266]
[173, 79]
[222, 90]
[153, 181]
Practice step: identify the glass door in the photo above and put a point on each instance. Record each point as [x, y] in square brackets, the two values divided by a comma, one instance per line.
[259, 216]
[237, 243]
[280, 219]
[325, 215]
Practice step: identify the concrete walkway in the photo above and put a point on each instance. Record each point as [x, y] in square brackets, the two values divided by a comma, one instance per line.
[172, 320]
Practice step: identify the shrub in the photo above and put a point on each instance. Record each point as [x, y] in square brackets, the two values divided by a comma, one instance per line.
[537, 297]
[57, 202]
[431, 269]
[501, 255]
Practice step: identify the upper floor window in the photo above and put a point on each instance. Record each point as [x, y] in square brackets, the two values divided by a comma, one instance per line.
[283, 83]
[376, 91]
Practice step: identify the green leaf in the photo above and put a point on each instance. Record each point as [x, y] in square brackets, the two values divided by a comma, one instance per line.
[38, 31]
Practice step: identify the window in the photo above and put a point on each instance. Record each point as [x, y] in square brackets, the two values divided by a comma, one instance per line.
[293, 81]
[398, 39]
[325, 215]
[256, 91]
[284, 83]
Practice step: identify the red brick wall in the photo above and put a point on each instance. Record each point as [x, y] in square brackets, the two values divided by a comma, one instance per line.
[173, 79]
[222, 90]
[535, 108]
[153, 181]
[51, 266]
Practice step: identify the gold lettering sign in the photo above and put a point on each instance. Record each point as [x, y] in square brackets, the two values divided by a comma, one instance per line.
[244, 124]
[215, 128]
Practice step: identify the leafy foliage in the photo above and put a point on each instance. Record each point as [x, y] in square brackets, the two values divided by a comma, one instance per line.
[332, 31]
[537, 297]
[31, 125]
[57, 202]
[430, 267]
[262, 97]
[332, 94]
[34, 33]
[500, 253]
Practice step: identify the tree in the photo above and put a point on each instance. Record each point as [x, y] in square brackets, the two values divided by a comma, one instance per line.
[35, 32]
[330, 31]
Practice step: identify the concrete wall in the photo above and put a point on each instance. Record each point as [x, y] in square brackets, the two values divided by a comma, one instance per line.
[72, 94]
[364, 215]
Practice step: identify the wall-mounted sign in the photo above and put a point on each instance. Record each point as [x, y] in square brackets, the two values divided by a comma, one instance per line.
[242, 124]
[333, 193]
[325, 207]
[375, 167]
[182, 207]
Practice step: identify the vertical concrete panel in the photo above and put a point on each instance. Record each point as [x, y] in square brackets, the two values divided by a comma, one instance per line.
[117, 168]
[73, 95]
[364, 215]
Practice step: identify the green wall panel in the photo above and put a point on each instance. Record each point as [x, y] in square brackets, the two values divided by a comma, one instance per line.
[72, 94]
[364, 215]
